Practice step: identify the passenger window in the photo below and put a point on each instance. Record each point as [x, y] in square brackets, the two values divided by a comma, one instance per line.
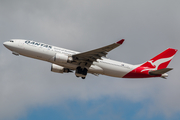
[26, 42]
[50, 47]
[11, 41]
[42, 44]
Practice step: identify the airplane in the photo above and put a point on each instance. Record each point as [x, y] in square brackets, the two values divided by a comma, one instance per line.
[94, 61]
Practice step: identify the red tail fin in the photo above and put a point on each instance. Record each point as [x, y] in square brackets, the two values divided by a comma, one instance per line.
[162, 60]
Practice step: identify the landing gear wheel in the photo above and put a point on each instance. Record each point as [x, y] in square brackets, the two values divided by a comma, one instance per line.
[84, 72]
[81, 72]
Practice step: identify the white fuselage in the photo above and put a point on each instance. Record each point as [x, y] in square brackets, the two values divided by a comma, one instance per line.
[46, 52]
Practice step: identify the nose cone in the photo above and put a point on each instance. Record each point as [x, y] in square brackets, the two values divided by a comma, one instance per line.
[5, 44]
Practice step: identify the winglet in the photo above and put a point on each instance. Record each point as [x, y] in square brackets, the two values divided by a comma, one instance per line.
[120, 42]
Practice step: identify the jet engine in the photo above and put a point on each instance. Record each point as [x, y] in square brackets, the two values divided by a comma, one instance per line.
[62, 58]
[59, 69]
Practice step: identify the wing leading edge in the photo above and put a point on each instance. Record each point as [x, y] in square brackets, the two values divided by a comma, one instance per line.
[90, 56]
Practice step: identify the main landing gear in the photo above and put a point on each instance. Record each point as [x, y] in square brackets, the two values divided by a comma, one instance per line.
[81, 72]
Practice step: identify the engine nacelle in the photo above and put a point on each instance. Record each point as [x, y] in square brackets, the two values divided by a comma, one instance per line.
[61, 58]
[59, 69]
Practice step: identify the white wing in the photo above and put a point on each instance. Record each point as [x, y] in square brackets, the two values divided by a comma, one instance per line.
[87, 58]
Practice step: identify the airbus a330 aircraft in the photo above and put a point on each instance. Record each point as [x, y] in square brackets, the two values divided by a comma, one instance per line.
[94, 61]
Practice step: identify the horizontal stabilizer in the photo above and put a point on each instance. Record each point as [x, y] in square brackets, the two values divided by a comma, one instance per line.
[160, 71]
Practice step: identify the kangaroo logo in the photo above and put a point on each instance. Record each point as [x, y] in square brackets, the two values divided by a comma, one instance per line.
[155, 64]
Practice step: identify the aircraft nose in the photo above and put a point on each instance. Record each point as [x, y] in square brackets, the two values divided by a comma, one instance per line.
[5, 44]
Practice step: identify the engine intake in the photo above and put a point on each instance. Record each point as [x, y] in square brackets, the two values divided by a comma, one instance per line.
[59, 69]
[62, 58]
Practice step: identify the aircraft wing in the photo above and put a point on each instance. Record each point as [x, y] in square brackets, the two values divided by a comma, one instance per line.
[90, 56]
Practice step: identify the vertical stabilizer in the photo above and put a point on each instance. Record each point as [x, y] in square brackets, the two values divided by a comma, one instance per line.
[155, 67]
[162, 60]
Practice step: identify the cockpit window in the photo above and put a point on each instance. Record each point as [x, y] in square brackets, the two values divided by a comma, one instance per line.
[11, 41]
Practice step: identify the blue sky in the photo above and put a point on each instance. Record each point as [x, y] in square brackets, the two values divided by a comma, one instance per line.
[30, 91]
[95, 109]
